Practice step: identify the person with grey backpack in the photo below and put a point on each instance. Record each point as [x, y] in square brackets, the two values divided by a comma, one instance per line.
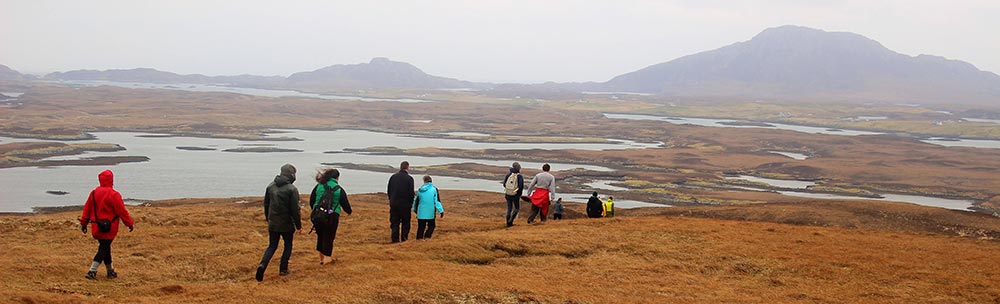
[513, 185]
[327, 200]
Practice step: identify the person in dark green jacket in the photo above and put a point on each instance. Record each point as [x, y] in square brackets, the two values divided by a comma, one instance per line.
[326, 233]
[281, 211]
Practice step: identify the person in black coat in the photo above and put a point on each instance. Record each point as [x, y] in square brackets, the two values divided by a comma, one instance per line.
[401, 194]
[594, 206]
[281, 211]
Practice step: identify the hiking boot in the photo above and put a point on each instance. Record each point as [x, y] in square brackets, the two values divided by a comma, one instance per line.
[112, 274]
[92, 275]
[260, 273]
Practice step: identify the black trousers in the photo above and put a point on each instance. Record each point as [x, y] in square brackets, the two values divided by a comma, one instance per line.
[421, 224]
[399, 223]
[557, 216]
[513, 206]
[326, 234]
[535, 211]
[103, 253]
[272, 246]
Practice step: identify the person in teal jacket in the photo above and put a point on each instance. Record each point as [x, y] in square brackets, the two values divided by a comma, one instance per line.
[427, 205]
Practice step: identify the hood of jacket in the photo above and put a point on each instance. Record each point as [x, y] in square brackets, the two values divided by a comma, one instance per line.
[282, 180]
[426, 187]
[515, 170]
[106, 178]
[288, 170]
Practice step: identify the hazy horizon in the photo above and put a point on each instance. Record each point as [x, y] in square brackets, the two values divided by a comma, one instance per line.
[488, 41]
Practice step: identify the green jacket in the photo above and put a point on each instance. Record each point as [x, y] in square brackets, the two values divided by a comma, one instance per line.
[339, 197]
[281, 205]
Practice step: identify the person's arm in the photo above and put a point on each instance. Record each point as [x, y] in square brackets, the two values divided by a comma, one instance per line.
[267, 203]
[294, 209]
[312, 197]
[520, 182]
[552, 191]
[410, 186]
[88, 209]
[388, 188]
[121, 211]
[344, 204]
[437, 202]
[416, 202]
[531, 187]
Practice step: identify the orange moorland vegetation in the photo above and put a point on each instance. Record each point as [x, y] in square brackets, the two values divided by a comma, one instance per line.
[205, 250]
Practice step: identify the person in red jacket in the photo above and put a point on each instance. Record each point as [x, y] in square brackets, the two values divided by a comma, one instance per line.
[104, 203]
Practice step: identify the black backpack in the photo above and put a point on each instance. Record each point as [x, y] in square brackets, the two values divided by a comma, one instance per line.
[323, 213]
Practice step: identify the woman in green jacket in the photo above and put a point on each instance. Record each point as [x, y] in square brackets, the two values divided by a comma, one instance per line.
[327, 232]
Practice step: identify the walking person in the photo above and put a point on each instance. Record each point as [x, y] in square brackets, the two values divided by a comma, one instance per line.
[513, 185]
[541, 192]
[427, 205]
[281, 211]
[103, 210]
[595, 208]
[401, 195]
[609, 207]
[327, 200]
[557, 210]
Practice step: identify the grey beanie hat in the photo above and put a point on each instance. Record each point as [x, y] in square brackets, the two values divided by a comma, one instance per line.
[288, 171]
[516, 166]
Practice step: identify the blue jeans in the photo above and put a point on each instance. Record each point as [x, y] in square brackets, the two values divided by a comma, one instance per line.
[272, 246]
[513, 206]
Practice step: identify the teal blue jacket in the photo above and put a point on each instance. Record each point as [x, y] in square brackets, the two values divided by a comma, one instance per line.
[427, 203]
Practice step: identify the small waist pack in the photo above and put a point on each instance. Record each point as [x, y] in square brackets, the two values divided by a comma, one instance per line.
[104, 226]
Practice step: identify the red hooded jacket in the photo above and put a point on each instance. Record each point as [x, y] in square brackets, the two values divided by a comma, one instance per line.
[110, 206]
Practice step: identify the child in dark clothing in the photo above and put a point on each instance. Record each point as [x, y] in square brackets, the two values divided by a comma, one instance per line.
[558, 209]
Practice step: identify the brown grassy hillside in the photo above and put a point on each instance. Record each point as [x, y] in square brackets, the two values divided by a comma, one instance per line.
[201, 250]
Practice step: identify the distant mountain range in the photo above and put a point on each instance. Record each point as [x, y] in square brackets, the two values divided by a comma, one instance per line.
[8, 74]
[787, 63]
[157, 76]
[379, 73]
[792, 62]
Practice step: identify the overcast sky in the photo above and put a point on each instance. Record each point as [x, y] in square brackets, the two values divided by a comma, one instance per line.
[479, 40]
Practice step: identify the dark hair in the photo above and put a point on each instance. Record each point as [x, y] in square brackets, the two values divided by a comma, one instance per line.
[546, 167]
[427, 178]
[324, 175]
[404, 165]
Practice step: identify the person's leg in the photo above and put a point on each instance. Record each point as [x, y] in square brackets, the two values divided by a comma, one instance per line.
[517, 208]
[272, 245]
[510, 209]
[287, 252]
[107, 259]
[421, 224]
[430, 228]
[544, 211]
[534, 213]
[394, 222]
[98, 259]
[333, 234]
[404, 230]
[324, 242]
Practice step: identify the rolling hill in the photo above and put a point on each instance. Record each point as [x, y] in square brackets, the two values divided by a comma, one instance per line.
[793, 62]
